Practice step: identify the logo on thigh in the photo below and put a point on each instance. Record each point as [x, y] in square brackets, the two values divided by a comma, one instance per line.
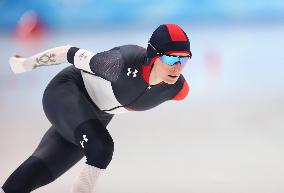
[85, 139]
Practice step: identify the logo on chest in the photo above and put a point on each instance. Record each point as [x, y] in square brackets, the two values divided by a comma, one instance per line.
[132, 72]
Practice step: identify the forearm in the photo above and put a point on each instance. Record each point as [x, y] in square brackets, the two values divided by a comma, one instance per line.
[49, 57]
[80, 58]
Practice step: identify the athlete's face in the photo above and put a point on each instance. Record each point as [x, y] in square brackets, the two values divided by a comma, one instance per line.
[167, 73]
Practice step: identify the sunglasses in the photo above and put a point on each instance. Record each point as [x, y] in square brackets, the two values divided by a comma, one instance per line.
[172, 59]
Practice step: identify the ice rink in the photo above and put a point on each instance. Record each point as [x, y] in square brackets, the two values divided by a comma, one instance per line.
[226, 137]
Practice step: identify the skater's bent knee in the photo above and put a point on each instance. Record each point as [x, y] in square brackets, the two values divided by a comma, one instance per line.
[96, 142]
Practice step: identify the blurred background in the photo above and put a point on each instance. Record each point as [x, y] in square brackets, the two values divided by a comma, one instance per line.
[227, 136]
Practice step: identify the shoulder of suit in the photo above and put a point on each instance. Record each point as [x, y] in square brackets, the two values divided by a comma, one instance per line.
[132, 54]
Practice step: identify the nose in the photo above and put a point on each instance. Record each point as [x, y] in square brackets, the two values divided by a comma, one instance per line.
[177, 67]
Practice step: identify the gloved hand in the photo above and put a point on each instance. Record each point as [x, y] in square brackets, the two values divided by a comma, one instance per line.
[18, 64]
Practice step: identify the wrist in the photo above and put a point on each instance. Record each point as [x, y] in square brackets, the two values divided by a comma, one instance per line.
[19, 65]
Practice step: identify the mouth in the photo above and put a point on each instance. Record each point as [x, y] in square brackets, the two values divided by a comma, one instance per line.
[172, 76]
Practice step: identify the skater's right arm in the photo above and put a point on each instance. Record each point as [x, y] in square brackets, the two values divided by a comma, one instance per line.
[49, 57]
[107, 65]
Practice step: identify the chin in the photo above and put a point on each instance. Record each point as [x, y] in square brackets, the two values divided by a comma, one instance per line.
[170, 81]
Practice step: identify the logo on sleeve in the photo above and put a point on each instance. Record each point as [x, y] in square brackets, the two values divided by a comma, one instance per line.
[133, 72]
[83, 56]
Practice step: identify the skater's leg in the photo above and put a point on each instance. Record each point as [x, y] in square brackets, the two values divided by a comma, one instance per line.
[52, 158]
[98, 146]
[31, 174]
[86, 180]
[58, 153]
[96, 143]
[69, 108]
